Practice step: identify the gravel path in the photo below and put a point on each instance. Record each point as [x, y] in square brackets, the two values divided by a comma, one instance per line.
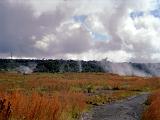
[128, 109]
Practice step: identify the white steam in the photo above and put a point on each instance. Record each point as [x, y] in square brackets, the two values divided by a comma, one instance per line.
[126, 69]
[80, 66]
[26, 69]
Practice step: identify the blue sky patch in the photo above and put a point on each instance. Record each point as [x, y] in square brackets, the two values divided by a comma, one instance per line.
[80, 18]
[95, 35]
[155, 13]
[98, 36]
[136, 14]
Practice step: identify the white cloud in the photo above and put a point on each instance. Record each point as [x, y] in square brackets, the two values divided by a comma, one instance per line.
[115, 56]
[141, 36]
[44, 43]
[94, 22]
[53, 33]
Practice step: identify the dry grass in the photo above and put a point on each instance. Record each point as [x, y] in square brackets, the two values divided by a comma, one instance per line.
[153, 111]
[5, 109]
[74, 81]
[45, 96]
[44, 107]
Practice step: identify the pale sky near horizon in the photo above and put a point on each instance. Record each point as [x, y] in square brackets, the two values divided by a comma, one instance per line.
[121, 30]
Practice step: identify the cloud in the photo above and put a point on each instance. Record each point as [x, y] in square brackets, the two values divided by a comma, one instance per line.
[16, 21]
[120, 55]
[19, 25]
[140, 38]
[122, 30]
[90, 26]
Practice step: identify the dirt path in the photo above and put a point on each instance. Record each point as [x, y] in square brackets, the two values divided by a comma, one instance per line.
[128, 109]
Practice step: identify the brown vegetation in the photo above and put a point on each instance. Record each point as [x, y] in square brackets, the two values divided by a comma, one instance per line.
[45, 96]
[153, 110]
[42, 107]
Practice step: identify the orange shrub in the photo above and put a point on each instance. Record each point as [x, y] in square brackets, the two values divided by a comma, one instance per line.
[153, 111]
[44, 107]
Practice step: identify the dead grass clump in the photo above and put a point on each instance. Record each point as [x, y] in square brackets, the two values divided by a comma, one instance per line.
[5, 109]
[153, 111]
[33, 107]
[42, 106]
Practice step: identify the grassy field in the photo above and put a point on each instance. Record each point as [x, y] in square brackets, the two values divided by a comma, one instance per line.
[46, 96]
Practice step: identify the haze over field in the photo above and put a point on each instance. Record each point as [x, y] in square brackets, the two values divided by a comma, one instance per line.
[122, 30]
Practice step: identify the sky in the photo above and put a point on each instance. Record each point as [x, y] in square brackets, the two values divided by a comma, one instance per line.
[119, 30]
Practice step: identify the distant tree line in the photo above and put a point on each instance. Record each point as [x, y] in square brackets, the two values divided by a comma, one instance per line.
[51, 66]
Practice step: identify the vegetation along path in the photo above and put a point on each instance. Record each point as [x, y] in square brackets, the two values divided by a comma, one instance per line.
[128, 109]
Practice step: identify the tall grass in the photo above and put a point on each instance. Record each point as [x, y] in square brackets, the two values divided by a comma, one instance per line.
[153, 111]
[64, 96]
[44, 107]
[5, 109]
